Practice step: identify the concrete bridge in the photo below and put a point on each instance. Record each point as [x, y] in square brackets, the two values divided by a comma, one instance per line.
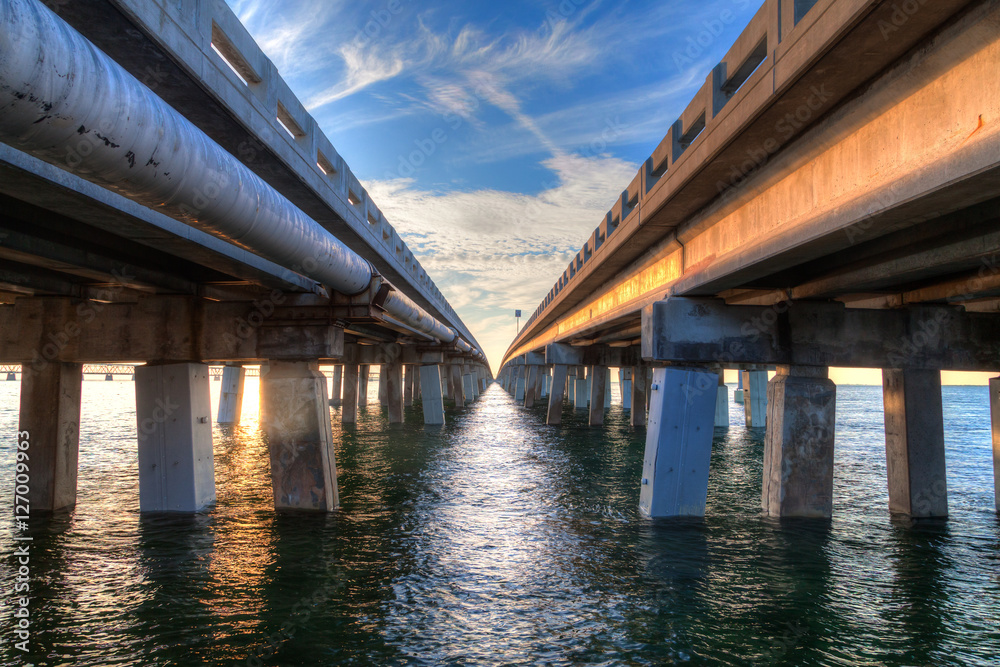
[830, 197]
[166, 200]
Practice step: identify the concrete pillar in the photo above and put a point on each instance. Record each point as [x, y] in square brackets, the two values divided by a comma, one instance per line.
[995, 423]
[173, 418]
[300, 439]
[409, 372]
[469, 383]
[529, 386]
[625, 385]
[392, 375]
[571, 384]
[231, 395]
[580, 395]
[607, 388]
[755, 393]
[349, 405]
[49, 425]
[598, 389]
[798, 446]
[554, 416]
[363, 371]
[914, 443]
[519, 384]
[261, 408]
[383, 385]
[457, 386]
[432, 398]
[336, 389]
[638, 416]
[678, 443]
[546, 381]
[722, 403]
[738, 394]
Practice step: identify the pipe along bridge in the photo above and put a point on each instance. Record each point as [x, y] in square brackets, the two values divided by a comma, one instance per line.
[830, 197]
[165, 200]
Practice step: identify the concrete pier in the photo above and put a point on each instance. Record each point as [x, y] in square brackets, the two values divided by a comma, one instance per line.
[722, 404]
[598, 391]
[519, 383]
[530, 386]
[173, 416]
[469, 383]
[678, 443]
[554, 415]
[49, 425]
[431, 396]
[383, 385]
[261, 408]
[349, 404]
[457, 385]
[409, 377]
[755, 398]
[363, 372]
[995, 424]
[638, 406]
[231, 395]
[798, 446]
[580, 394]
[300, 438]
[392, 375]
[625, 386]
[607, 388]
[914, 443]
[337, 384]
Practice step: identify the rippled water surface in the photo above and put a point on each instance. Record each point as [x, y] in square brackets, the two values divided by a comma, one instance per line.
[498, 540]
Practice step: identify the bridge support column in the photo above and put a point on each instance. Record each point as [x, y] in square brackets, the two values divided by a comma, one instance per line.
[336, 389]
[300, 438]
[738, 394]
[409, 371]
[469, 385]
[457, 386]
[173, 416]
[529, 386]
[261, 408]
[995, 423]
[914, 443]
[349, 404]
[392, 375]
[571, 384]
[607, 388]
[231, 395]
[432, 397]
[519, 383]
[363, 371]
[598, 389]
[546, 378]
[722, 403]
[755, 398]
[554, 416]
[383, 385]
[50, 424]
[638, 416]
[798, 446]
[625, 385]
[678, 443]
[580, 393]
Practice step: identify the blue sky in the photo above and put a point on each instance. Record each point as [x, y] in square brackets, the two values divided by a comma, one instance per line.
[495, 136]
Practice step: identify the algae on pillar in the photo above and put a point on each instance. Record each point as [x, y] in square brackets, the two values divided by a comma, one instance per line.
[798, 445]
[300, 437]
[49, 424]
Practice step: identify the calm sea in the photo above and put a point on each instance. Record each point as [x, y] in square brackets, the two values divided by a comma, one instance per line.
[498, 540]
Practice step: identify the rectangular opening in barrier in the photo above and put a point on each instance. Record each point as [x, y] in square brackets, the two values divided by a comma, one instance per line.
[746, 69]
[325, 165]
[286, 121]
[230, 55]
[353, 199]
[696, 129]
[802, 8]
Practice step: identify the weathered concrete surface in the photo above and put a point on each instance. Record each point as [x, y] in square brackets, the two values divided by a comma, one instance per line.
[598, 392]
[914, 443]
[457, 385]
[409, 383]
[349, 406]
[755, 392]
[722, 405]
[625, 382]
[49, 433]
[431, 396]
[638, 407]
[393, 376]
[231, 395]
[798, 446]
[469, 384]
[580, 394]
[173, 416]
[530, 386]
[678, 443]
[300, 438]
[363, 373]
[337, 386]
[554, 415]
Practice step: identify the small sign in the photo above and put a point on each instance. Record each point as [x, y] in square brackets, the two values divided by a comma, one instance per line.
[517, 313]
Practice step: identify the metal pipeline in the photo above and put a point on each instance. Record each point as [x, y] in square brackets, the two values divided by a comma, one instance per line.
[64, 101]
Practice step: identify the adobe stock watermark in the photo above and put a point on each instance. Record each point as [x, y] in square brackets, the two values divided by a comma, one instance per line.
[20, 595]
[706, 34]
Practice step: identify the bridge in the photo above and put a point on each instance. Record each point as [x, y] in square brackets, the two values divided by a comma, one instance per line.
[168, 203]
[830, 197]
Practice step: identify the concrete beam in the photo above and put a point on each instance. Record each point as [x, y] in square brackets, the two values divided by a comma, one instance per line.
[701, 330]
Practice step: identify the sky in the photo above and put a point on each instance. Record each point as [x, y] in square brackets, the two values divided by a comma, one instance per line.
[495, 136]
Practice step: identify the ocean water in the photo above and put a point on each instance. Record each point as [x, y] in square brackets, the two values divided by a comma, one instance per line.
[499, 540]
